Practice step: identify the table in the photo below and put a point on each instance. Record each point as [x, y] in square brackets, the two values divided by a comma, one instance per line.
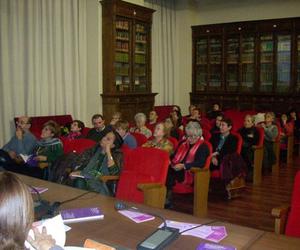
[117, 230]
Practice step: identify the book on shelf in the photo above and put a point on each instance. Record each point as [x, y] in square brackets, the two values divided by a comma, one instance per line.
[81, 214]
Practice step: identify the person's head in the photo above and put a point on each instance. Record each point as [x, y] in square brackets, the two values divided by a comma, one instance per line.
[284, 117]
[160, 131]
[153, 116]
[50, 130]
[249, 121]
[216, 107]
[196, 113]
[219, 118]
[77, 126]
[16, 211]
[111, 138]
[122, 127]
[115, 118]
[293, 114]
[98, 121]
[226, 126]
[193, 131]
[269, 117]
[140, 120]
[191, 107]
[176, 108]
[176, 118]
[24, 123]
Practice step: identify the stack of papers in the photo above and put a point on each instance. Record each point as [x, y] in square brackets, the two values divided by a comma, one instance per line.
[211, 233]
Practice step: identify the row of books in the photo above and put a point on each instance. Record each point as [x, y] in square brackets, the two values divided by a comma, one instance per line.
[121, 24]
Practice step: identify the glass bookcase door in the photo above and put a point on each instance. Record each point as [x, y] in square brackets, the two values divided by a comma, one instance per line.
[247, 63]
[283, 63]
[266, 63]
[298, 64]
[140, 70]
[201, 64]
[215, 63]
[232, 62]
[122, 57]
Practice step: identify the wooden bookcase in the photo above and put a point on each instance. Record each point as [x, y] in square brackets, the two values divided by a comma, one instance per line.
[247, 65]
[126, 41]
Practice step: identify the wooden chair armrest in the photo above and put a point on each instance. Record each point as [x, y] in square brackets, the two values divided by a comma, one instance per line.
[257, 147]
[147, 186]
[198, 170]
[154, 194]
[280, 214]
[106, 178]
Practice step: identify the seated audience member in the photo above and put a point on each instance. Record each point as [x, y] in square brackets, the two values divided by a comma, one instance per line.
[250, 136]
[76, 128]
[195, 115]
[49, 149]
[122, 127]
[191, 152]
[216, 111]
[160, 139]
[140, 121]
[295, 118]
[223, 143]
[176, 108]
[104, 159]
[286, 129]
[152, 120]
[191, 108]
[23, 142]
[216, 127]
[99, 129]
[17, 216]
[176, 118]
[172, 131]
[117, 116]
[271, 132]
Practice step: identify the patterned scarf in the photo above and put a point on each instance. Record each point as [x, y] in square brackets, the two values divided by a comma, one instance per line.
[184, 149]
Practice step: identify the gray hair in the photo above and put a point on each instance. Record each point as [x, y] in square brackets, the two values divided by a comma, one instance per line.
[194, 128]
[140, 116]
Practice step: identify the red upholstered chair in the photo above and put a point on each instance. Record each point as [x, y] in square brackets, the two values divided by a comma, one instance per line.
[197, 181]
[164, 111]
[174, 141]
[206, 124]
[206, 134]
[287, 218]
[85, 131]
[140, 138]
[143, 177]
[77, 145]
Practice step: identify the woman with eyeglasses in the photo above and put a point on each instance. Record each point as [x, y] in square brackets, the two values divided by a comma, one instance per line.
[191, 152]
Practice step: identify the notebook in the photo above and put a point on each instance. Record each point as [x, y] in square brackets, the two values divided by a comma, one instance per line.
[81, 214]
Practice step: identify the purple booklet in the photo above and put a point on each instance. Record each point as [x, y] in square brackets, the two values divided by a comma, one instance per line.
[81, 214]
[213, 246]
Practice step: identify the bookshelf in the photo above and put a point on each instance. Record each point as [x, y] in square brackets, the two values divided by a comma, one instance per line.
[126, 46]
[247, 65]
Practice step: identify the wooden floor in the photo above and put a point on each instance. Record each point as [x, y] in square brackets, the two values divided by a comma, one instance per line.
[254, 207]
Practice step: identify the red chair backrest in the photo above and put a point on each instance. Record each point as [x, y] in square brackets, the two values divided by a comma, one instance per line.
[144, 165]
[206, 134]
[140, 138]
[239, 141]
[293, 223]
[205, 124]
[164, 111]
[174, 141]
[77, 145]
[186, 187]
[85, 131]
[126, 152]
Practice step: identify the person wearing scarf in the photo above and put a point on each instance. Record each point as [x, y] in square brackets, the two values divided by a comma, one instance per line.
[105, 159]
[49, 148]
[191, 152]
[76, 130]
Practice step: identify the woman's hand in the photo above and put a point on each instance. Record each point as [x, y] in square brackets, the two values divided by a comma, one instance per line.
[178, 167]
[40, 158]
[214, 161]
[41, 241]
